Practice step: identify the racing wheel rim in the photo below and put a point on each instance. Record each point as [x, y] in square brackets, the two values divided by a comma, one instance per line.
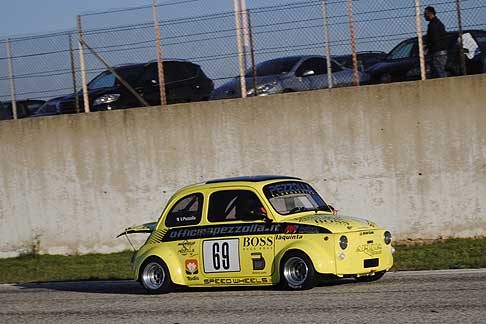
[295, 271]
[153, 276]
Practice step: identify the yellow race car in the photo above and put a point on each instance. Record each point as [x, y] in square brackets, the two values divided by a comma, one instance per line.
[260, 230]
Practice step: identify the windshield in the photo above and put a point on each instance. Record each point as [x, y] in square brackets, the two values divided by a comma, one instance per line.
[292, 197]
[404, 50]
[104, 80]
[273, 67]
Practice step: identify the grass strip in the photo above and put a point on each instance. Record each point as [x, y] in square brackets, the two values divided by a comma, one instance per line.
[446, 254]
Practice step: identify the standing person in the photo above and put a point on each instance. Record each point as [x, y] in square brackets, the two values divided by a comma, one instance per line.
[436, 43]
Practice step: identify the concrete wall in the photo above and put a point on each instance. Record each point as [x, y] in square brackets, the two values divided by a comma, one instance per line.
[411, 156]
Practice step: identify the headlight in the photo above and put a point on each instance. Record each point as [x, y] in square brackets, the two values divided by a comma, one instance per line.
[106, 99]
[343, 242]
[387, 237]
[262, 89]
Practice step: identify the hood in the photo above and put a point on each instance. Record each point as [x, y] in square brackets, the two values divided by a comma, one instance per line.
[380, 67]
[93, 94]
[337, 224]
[232, 88]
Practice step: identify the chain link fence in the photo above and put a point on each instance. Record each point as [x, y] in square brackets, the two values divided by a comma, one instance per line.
[229, 47]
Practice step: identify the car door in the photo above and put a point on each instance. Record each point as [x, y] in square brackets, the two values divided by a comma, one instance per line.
[312, 74]
[341, 77]
[405, 61]
[242, 249]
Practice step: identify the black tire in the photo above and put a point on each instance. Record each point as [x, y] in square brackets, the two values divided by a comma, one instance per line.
[288, 91]
[155, 276]
[375, 277]
[297, 271]
[484, 64]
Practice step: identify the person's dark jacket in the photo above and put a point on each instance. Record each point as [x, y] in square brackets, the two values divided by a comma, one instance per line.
[436, 36]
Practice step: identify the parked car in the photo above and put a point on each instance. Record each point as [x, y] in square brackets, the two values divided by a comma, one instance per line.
[185, 82]
[256, 231]
[25, 108]
[50, 107]
[289, 74]
[402, 63]
[365, 59]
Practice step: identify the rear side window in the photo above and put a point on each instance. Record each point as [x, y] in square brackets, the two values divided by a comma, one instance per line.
[187, 211]
[234, 205]
[178, 71]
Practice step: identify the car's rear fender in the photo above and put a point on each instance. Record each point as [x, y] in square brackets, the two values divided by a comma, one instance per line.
[167, 256]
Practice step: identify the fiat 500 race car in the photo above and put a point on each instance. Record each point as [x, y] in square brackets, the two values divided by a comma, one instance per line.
[262, 230]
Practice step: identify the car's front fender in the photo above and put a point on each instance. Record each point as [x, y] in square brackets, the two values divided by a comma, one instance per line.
[315, 246]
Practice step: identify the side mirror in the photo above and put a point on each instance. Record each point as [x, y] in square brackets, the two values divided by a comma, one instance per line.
[308, 73]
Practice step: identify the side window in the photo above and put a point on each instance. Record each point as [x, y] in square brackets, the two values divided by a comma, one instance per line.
[402, 51]
[178, 71]
[233, 205]
[318, 65]
[187, 211]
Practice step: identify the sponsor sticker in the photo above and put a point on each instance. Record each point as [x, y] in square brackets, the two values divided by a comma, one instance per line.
[191, 266]
[186, 248]
[284, 237]
[237, 281]
[257, 243]
[370, 249]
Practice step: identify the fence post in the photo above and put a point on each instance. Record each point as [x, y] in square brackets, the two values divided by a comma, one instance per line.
[418, 22]
[11, 79]
[252, 52]
[73, 73]
[160, 62]
[328, 47]
[244, 29]
[462, 59]
[353, 42]
[240, 49]
[82, 66]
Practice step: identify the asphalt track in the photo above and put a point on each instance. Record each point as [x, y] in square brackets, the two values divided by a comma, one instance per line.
[448, 296]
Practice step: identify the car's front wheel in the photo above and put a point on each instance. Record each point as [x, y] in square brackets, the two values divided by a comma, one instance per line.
[297, 272]
[376, 276]
[155, 277]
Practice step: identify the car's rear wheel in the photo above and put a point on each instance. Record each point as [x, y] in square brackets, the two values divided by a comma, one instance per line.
[155, 277]
[375, 277]
[297, 272]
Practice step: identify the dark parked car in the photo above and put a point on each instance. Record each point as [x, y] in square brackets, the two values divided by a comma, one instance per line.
[289, 74]
[50, 108]
[402, 63]
[185, 82]
[365, 59]
[25, 108]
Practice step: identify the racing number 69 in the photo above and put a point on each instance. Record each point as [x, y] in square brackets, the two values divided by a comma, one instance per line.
[221, 255]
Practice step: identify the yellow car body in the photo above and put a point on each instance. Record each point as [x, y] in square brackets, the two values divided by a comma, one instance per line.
[238, 231]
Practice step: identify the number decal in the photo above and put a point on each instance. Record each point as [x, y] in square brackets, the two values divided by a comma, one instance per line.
[221, 255]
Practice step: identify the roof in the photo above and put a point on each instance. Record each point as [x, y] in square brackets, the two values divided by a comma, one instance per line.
[258, 178]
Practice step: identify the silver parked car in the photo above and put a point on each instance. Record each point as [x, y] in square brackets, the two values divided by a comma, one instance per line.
[290, 74]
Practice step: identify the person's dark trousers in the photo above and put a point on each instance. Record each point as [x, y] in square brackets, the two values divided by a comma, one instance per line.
[438, 64]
